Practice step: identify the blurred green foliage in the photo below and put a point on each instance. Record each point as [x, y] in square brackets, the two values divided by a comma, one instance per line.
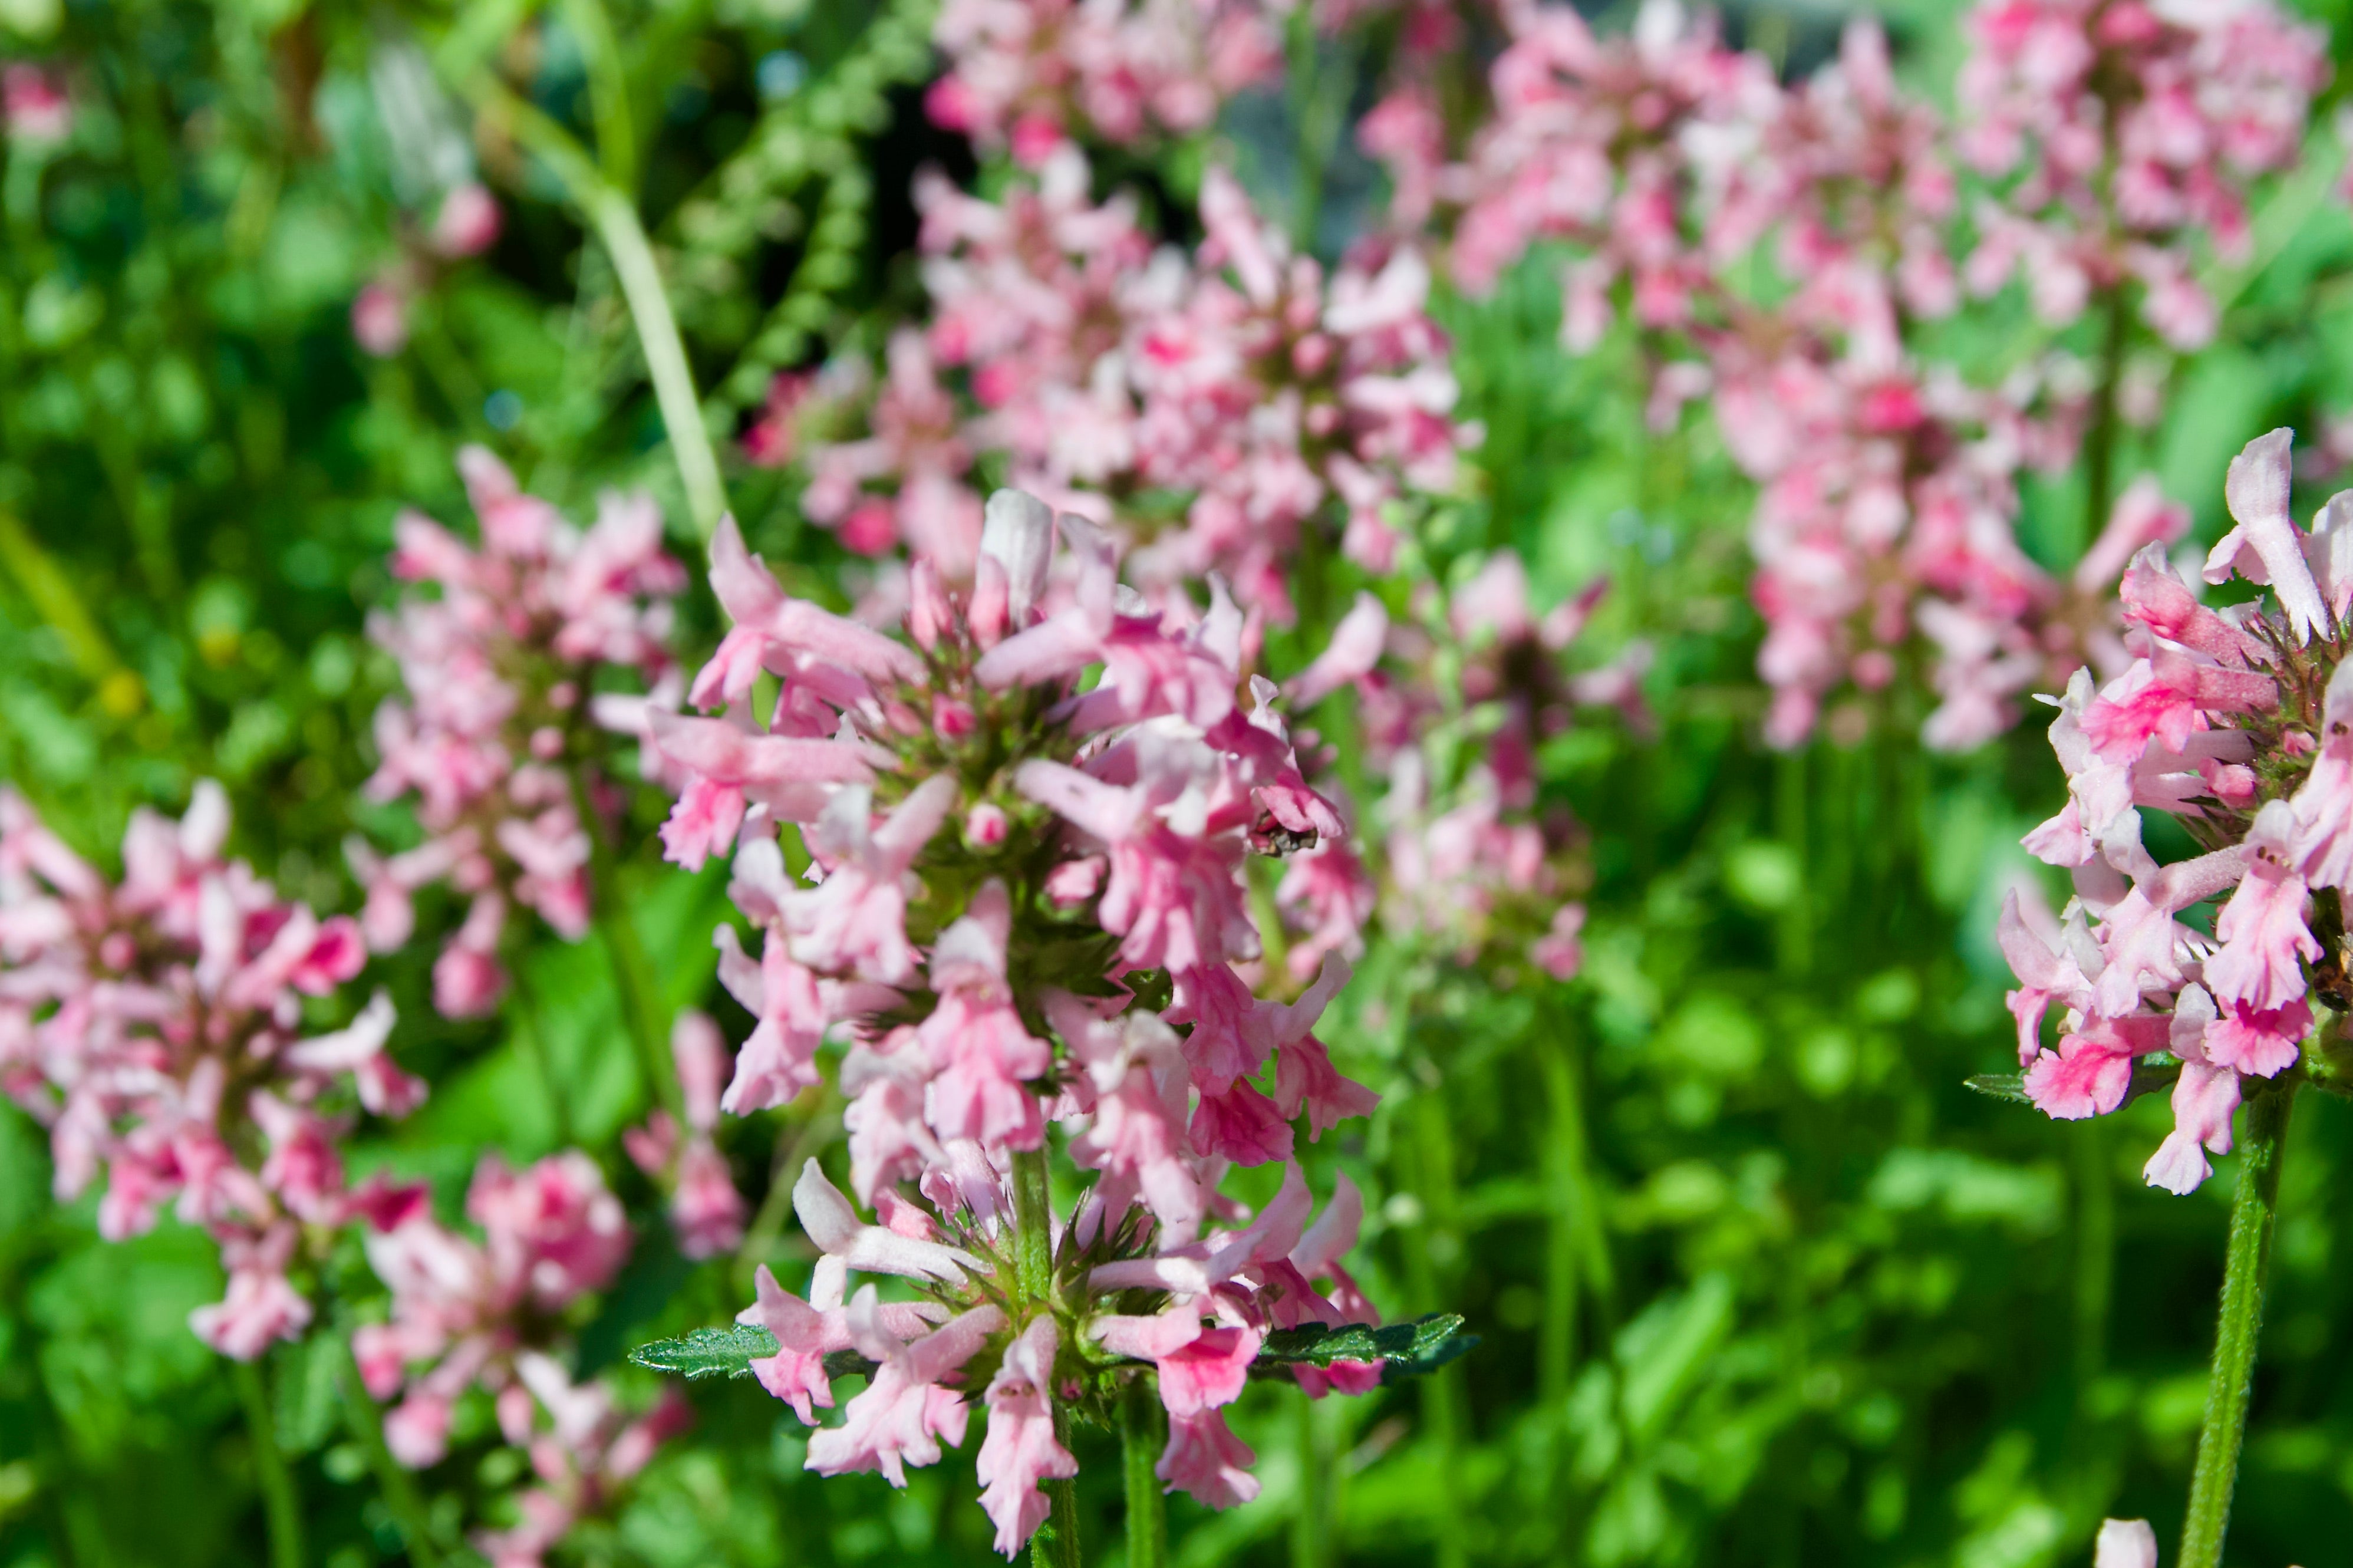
[1758, 1281]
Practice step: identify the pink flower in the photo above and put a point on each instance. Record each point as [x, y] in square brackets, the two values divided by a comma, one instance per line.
[497, 669]
[903, 1411]
[1021, 1449]
[468, 222]
[2201, 723]
[380, 318]
[154, 1023]
[34, 106]
[1205, 1459]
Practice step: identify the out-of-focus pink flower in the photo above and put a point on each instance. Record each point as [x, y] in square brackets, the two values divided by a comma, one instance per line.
[705, 1208]
[380, 317]
[465, 1312]
[468, 222]
[1024, 74]
[34, 104]
[155, 1024]
[2125, 132]
[498, 738]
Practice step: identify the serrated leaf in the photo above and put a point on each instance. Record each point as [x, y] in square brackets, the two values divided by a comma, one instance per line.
[2001, 1086]
[1404, 1349]
[709, 1352]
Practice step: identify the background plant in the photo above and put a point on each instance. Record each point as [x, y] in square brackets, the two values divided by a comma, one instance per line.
[1757, 1279]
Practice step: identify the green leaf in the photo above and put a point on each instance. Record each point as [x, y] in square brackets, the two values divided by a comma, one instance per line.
[730, 1353]
[2001, 1086]
[709, 1352]
[1405, 1350]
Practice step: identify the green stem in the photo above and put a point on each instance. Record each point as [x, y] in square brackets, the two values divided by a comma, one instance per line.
[2096, 1236]
[1143, 1433]
[2253, 1208]
[1056, 1544]
[613, 216]
[1033, 1238]
[280, 1503]
[2099, 442]
[633, 971]
[396, 1486]
[1441, 1393]
[608, 91]
[1313, 1527]
[1564, 1158]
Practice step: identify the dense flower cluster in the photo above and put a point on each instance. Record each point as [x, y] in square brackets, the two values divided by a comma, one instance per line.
[1240, 393]
[1027, 74]
[156, 1025]
[1025, 906]
[2240, 724]
[1618, 144]
[2130, 128]
[1885, 532]
[502, 736]
[467, 1314]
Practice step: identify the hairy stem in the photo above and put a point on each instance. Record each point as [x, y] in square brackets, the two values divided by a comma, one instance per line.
[1033, 1235]
[396, 1486]
[1056, 1544]
[2253, 1208]
[1143, 1433]
[614, 216]
[280, 1505]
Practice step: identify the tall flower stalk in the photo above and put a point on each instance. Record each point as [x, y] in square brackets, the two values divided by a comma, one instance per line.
[2239, 724]
[1027, 920]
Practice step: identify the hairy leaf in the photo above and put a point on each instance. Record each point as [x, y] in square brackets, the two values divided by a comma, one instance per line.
[709, 1352]
[1404, 1349]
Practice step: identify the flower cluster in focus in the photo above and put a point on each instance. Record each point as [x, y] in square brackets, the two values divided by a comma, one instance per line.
[2238, 723]
[1023, 909]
